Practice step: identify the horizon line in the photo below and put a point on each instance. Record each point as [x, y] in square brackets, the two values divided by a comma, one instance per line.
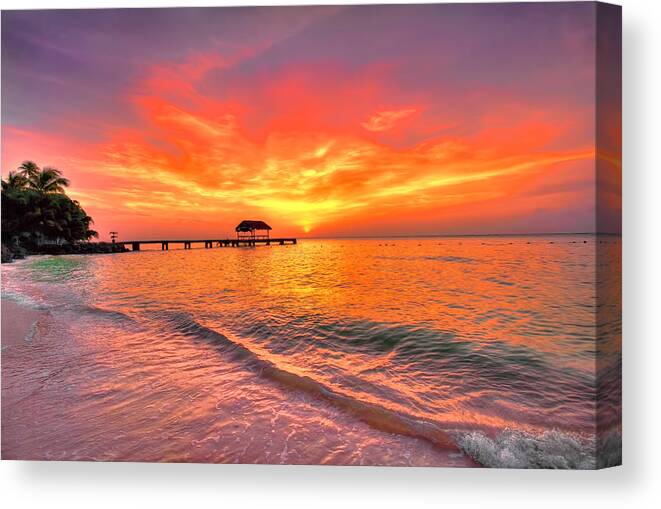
[439, 235]
[422, 236]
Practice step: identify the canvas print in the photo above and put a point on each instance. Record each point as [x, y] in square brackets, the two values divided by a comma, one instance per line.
[383, 235]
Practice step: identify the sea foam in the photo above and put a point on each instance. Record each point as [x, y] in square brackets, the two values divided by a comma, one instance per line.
[551, 449]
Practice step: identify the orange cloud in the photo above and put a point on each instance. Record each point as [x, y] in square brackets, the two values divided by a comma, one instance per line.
[300, 154]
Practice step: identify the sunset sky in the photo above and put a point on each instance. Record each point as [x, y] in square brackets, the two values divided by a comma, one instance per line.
[322, 121]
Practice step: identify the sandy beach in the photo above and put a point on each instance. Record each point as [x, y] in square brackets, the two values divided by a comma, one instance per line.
[17, 321]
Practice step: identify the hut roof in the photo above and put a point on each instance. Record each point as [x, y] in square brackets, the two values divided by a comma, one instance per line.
[247, 225]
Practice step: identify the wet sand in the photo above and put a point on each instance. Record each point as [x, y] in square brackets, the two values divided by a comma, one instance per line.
[17, 321]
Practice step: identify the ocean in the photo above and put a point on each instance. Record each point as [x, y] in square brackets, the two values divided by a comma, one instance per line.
[448, 351]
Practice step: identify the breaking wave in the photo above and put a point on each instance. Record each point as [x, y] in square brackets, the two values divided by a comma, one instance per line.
[549, 450]
[509, 449]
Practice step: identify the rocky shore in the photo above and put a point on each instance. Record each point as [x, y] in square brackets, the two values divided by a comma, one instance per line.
[10, 253]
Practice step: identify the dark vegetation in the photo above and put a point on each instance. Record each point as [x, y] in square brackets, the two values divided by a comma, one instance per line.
[39, 218]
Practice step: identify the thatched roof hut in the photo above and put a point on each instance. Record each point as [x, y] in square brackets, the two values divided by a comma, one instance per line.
[249, 228]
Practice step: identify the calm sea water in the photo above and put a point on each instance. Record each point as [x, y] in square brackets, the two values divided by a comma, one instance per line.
[445, 351]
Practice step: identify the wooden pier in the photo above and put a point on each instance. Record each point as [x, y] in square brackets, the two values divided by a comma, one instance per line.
[209, 243]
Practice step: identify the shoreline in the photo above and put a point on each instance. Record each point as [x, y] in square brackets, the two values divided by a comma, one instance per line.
[17, 320]
[20, 253]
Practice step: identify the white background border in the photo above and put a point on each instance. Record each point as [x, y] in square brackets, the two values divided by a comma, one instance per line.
[636, 484]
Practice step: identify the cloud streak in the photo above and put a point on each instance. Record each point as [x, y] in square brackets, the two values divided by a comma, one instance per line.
[385, 120]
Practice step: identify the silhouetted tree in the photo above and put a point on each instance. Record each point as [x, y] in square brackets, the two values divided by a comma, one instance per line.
[48, 180]
[36, 210]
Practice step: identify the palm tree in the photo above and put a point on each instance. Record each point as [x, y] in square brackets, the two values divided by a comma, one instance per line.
[36, 209]
[48, 181]
[29, 169]
[15, 182]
